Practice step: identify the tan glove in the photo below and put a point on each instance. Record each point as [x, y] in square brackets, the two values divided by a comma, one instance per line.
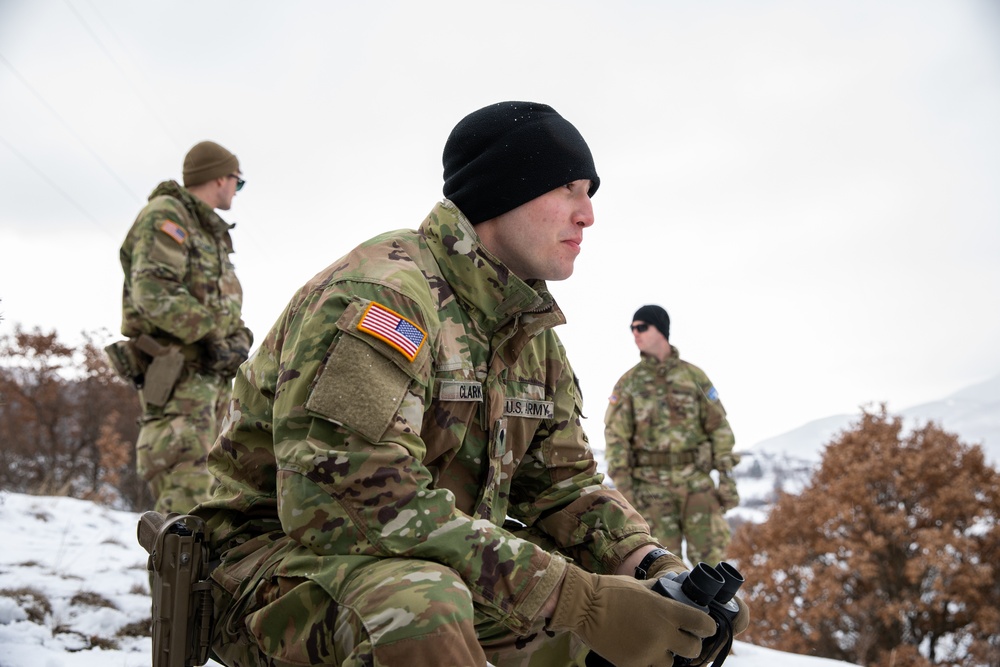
[625, 622]
[742, 620]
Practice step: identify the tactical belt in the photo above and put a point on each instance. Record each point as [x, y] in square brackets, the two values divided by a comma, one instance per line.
[192, 352]
[642, 459]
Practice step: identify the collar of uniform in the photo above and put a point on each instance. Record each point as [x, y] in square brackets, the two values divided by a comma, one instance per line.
[650, 360]
[480, 280]
[209, 219]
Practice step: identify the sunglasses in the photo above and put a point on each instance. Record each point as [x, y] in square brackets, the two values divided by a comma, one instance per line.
[239, 182]
[641, 328]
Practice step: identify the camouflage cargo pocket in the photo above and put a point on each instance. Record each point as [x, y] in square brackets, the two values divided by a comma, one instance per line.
[163, 443]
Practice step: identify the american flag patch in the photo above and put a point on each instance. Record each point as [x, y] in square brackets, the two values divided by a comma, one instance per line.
[393, 328]
[174, 231]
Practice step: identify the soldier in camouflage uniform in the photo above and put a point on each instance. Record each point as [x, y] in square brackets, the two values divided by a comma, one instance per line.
[665, 431]
[181, 289]
[404, 479]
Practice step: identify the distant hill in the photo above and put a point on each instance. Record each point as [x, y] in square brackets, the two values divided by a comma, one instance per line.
[973, 413]
[786, 461]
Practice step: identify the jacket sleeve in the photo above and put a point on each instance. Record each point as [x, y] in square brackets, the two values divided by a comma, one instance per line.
[716, 426]
[160, 262]
[619, 428]
[351, 480]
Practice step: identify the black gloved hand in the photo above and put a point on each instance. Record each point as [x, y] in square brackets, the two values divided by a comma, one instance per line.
[226, 355]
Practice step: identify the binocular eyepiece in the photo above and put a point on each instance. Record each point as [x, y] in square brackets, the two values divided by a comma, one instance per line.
[702, 585]
[712, 590]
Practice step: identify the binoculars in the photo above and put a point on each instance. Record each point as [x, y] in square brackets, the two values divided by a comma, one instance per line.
[712, 590]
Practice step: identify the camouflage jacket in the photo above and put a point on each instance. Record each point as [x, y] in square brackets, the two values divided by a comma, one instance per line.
[409, 399]
[180, 285]
[669, 409]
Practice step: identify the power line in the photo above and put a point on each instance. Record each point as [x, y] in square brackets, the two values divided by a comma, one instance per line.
[121, 70]
[55, 187]
[70, 129]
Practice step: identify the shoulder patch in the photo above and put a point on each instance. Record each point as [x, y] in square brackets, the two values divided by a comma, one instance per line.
[712, 394]
[174, 231]
[613, 399]
[393, 328]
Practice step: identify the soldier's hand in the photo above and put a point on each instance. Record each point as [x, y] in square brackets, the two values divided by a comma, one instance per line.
[226, 355]
[729, 497]
[742, 620]
[627, 623]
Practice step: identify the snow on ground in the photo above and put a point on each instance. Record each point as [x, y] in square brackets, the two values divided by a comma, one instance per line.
[74, 590]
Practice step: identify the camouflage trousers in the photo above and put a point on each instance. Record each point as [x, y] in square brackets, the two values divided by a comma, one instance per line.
[684, 505]
[174, 441]
[280, 605]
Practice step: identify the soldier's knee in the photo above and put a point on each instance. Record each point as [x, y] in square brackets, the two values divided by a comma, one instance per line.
[433, 594]
[420, 613]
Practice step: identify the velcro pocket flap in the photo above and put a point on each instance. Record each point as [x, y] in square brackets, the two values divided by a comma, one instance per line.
[363, 381]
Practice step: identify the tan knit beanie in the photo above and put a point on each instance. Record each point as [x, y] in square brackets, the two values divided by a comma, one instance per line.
[208, 160]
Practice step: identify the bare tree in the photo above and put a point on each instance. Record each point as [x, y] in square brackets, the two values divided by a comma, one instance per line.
[67, 422]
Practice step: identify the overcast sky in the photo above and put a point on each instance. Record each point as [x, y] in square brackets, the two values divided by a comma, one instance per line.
[810, 188]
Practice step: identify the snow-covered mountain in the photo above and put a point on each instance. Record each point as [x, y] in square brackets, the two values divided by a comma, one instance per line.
[786, 461]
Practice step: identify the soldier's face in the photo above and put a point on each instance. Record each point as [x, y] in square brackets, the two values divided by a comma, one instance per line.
[540, 239]
[649, 340]
[226, 193]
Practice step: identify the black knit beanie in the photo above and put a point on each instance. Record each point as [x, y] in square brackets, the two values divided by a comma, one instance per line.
[508, 153]
[656, 316]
